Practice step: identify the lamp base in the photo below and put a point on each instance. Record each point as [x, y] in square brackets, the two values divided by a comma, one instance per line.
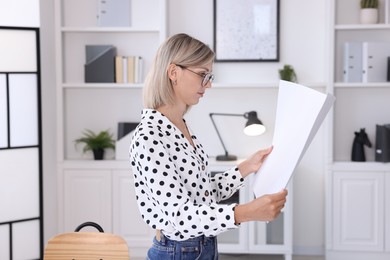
[227, 157]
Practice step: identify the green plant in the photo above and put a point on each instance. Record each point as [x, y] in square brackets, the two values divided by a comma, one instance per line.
[93, 141]
[288, 73]
[369, 4]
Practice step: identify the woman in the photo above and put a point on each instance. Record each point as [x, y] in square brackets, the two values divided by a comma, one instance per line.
[175, 193]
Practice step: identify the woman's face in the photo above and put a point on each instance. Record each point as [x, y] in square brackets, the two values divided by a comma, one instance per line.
[190, 88]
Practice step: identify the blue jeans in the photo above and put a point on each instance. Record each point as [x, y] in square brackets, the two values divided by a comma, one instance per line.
[199, 248]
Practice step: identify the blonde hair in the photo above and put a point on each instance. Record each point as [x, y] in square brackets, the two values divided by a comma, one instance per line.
[180, 49]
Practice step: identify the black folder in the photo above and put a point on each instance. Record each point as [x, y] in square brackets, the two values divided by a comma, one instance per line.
[382, 146]
[100, 63]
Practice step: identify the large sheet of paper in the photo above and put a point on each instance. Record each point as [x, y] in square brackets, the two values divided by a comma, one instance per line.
[299, 114]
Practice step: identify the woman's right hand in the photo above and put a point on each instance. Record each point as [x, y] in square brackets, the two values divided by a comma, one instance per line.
[264, 208]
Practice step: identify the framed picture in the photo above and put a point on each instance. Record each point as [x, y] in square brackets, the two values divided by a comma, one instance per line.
[246, 30]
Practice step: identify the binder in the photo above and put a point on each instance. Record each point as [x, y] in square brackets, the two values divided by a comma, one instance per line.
[100, 65]
[375, 61]
[114, 13]
[126, 127]
[382, 143]
[352, 69]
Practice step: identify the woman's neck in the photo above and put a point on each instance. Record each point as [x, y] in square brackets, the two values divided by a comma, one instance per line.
[173, 113]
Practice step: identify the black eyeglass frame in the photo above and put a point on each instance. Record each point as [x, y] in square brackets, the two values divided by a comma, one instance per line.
[206, 77]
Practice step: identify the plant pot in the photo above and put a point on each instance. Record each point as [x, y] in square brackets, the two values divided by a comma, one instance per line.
[98, 154]
[369, 15]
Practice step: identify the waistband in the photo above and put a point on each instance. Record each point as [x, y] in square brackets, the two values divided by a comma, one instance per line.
[191, 241]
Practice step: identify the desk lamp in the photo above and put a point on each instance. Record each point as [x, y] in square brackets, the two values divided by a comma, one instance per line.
[253, 127]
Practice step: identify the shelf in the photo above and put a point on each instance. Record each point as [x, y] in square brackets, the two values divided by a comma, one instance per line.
[362, 85]
[109, 29]
[96, 164]
[124, 164]
[362, 27]
[101, 85]
[214, 85]
[361, 166]
[263, 85]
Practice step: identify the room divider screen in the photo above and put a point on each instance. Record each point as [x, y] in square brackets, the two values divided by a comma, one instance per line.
[21, 223]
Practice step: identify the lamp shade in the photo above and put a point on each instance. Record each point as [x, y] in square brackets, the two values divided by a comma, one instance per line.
[253, 126]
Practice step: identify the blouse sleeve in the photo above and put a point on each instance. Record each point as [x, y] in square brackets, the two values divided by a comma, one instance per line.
[163, 199]
[227, 183]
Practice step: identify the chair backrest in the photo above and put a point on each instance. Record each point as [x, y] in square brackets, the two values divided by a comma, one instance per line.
[86, 245]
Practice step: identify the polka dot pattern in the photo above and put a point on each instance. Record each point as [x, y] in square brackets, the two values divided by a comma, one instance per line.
[174, 190]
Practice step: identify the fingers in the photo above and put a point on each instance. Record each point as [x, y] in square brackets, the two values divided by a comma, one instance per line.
[276, 203]
[266, 152]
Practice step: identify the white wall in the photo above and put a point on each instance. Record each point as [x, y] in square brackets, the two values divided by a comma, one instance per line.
[303, 44]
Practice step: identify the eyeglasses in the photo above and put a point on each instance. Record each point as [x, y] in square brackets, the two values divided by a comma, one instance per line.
[206, 77]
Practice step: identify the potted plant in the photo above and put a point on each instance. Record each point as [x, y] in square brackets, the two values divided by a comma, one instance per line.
[97, 143]
[288, 73]
[369, 11]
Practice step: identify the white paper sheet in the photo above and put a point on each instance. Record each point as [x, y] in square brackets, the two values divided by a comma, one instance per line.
[299, 114]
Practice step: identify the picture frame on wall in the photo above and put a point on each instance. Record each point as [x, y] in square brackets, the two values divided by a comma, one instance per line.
[246, 31]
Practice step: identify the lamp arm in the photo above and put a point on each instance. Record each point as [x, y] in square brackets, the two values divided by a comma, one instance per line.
[216, 129]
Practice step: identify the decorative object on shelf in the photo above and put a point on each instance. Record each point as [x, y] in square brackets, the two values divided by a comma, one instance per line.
[382, 143]
[246, 30]
[369, 11]
[97, 143]
[253, 127]
[288, 73]
[360, 140]
[100, 63]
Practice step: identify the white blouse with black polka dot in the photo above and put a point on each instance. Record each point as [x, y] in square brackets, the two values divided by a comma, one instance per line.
[174, 190]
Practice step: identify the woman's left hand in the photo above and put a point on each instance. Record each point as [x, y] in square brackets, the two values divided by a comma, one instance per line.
[253, 163]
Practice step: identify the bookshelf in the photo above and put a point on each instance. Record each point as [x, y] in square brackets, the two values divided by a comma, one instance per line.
[89, 190]
[357, 211]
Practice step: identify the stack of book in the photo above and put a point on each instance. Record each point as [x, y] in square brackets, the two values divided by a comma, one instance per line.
[366, 61]
[128, 69]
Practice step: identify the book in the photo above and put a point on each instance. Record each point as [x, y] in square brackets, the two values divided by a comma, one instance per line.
[119, 69]
[374, 58]
[124, 64]
[299, 114]
[352, 66]
[138, 71]
[130, 69]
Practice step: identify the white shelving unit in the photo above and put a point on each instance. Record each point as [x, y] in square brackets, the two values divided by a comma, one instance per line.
[89, 190]
[357, 207]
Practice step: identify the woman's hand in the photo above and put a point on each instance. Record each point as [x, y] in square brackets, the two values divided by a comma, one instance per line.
[264, 208]
[253, 163]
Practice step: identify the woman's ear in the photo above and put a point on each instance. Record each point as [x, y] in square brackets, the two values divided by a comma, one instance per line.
[172, 72]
